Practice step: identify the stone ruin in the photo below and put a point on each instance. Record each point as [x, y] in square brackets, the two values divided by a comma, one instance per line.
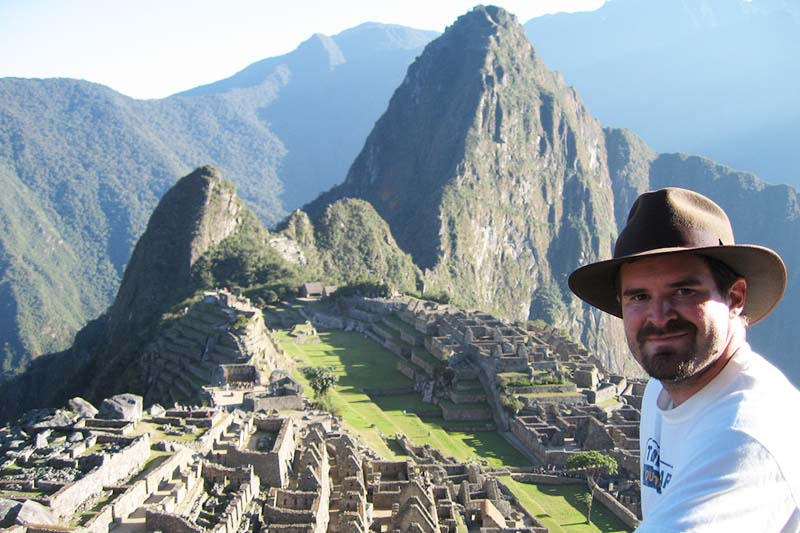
[484, 358]
[220, 340]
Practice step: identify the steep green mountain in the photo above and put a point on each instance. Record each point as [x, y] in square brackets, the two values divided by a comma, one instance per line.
[83, 166]
[714, 77]
[492, 175]
[193, 219]
[348, 243]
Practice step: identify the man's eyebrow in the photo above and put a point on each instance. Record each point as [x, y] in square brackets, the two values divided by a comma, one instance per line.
[632, 291]
[684, 282]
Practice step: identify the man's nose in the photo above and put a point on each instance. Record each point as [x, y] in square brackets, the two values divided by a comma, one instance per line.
[662, 311]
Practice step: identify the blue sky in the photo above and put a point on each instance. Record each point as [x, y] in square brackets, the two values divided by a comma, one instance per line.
[154, 48]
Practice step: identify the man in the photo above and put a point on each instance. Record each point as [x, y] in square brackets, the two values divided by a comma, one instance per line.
[719, 423]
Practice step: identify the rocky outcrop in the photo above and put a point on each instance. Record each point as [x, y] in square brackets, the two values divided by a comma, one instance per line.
[199, 212]
[121, 407]
[347, 241]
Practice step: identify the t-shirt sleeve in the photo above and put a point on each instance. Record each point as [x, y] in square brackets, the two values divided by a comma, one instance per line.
[731, 483]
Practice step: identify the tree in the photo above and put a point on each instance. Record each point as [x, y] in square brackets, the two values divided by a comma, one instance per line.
[320, 379]
[592, 463]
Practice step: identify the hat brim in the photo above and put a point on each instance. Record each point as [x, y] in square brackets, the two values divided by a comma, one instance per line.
[762, 268]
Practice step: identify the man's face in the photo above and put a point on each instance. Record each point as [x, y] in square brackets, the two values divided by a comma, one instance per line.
[676, 321]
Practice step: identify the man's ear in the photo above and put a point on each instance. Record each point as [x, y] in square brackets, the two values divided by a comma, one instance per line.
[737, 296]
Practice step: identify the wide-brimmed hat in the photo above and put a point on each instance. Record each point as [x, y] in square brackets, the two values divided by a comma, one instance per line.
[674, 220]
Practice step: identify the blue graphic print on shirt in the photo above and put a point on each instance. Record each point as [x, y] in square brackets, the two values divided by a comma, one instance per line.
[656, 473]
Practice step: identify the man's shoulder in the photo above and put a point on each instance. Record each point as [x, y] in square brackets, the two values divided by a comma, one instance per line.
[758, 383]
[758, 401]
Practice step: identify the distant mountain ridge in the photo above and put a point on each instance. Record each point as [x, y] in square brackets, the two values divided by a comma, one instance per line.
[713, 77]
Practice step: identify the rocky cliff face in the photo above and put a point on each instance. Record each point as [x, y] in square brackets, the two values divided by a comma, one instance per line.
[494, 177]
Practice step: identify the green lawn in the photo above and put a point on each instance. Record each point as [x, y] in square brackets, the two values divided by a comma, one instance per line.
[361, 363]
[558, 508]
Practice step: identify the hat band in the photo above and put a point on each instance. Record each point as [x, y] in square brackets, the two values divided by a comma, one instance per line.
[668, 238]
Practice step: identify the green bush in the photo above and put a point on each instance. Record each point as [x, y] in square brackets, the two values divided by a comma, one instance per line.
[511, 404]
[370, 289]
[325, 403]
[519, 382]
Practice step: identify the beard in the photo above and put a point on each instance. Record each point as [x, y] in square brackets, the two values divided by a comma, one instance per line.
[679, 360]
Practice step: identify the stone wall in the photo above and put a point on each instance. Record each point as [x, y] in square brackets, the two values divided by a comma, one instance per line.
[512, 364]
[601, 395]
[385, 499]
[117, 467]
[456, 412]
[212, 436]
[530, 440]
[486, 375]
[258, 402]
[236, 373]
[284, 451]
[99, 523]
[573, 399]
[165, 470]
[543, 479]
[541, 389]
[130, 500]
[616, 508]
[164, 521]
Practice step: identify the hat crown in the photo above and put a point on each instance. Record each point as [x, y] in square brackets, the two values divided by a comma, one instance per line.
[673, 218]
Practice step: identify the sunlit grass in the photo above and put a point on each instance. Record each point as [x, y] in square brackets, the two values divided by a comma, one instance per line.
[558, 508]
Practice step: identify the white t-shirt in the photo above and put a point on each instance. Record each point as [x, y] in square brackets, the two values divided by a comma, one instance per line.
[727, 458]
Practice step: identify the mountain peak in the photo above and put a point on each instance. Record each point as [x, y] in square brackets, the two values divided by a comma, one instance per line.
[199, 211]
[319, 51]
[484, 21]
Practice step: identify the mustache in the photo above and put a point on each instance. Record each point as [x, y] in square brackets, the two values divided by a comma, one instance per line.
[673, 326]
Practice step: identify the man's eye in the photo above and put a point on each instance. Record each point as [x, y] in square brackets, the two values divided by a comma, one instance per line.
[684, 292]
[641, 297]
